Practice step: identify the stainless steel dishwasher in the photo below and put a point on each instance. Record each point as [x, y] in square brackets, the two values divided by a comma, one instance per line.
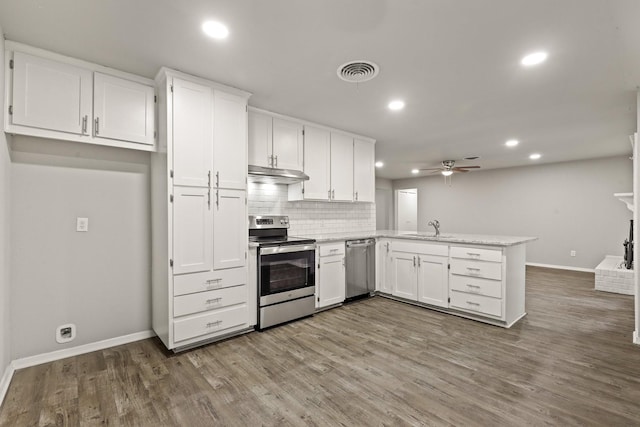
[361, 267]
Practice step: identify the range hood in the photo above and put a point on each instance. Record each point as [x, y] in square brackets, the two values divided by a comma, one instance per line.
[275, 175]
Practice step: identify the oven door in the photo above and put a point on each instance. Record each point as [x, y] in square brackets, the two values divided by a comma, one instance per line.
[286, 273]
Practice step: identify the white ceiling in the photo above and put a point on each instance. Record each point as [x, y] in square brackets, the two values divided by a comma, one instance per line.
[454, 62]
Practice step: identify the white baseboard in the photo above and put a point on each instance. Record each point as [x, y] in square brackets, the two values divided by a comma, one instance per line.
[39, 359]
[5, 381]
[562, 267]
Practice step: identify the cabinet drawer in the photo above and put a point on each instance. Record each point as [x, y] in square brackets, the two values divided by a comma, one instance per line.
[209, 280]
[488, 270]
[421, 248]
[479, 254]
[475, 285]
[209, 300]
[332, 249]
[210, 322]
[476, 303]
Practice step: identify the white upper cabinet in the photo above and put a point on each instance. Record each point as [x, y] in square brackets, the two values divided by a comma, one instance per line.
[57, 97]
[287, 144]
[230, 141]
[364, 174]
[317, 163]
[50, 95]
[341, 167]
[123, 109]
[229, 228]
[192, 134]
[275, 142]
[260, 139]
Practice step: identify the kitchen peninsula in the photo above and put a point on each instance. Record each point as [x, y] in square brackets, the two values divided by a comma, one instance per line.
[481, 277]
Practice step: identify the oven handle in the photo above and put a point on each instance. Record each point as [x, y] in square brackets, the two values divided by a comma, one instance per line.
[286, 249]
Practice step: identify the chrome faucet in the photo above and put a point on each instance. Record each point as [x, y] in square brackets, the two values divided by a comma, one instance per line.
[436, 224]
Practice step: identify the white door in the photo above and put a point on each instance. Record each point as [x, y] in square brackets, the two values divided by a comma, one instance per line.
[192, 134]
[407, 211]
[317, 163]
[230, 234]
[287, 144]
[405, 275]
[260, 139]
[51, 95]
[341, 167]
[332, 281]
[230, 141]
[192, 230]
[122, 109]
[433, 280]
[364, 175]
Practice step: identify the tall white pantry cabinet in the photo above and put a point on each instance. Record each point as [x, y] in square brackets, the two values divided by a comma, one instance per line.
[199, 205]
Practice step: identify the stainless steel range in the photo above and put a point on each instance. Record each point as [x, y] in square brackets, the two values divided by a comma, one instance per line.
[286, 271]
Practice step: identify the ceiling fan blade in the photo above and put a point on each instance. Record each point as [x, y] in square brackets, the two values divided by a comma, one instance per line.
[469, 167]
[459, 170]
[435, 171]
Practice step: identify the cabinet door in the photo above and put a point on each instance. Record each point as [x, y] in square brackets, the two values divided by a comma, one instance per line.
[433, 280]
[192, 230]
[123, 109]
[384, 268]
[230, 235]
[341, 167]
[260, 139]
[230, 141]
[317, 158]
[192, 134]
[405, 275]
[364, 175]
[287, 144]
[51, 95]
[332, 281]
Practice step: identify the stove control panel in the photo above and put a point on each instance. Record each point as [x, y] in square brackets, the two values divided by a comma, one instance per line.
[258, 222]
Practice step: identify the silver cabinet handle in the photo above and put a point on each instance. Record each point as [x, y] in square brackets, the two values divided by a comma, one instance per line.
[343, 261]
[473, 269]
[473, 254]
[84, 124]
[387, 246]
[217, 179]
[97, 125]
[209, 198]
[213, 324]
[217, 199]
[333, 194]
[418, 261]
[473, 286]
[213, 300]
[356, 195]
[329, 194]
[270, 161]
[276, 162]
[473, 303]
[209, 179]
[414, 261]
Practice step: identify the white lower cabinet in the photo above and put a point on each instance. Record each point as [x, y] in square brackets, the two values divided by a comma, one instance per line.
[421, 272]
[384, 266]
[330, 278]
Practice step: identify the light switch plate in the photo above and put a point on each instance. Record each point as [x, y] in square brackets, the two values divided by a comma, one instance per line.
[82, 224]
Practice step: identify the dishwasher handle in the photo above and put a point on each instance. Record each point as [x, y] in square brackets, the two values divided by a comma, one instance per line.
[360, 243]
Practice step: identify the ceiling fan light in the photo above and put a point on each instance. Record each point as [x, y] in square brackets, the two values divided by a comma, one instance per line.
[447, 173]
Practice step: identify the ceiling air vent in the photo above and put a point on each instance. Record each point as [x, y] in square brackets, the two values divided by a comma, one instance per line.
[358, 71]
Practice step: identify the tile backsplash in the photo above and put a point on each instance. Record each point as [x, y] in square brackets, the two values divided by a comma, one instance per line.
[310, 217]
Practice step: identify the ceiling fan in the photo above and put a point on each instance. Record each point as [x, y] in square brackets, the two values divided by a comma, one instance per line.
[448, 167]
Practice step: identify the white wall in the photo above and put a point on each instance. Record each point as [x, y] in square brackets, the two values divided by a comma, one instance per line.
[98, 280]
[568, 206]
[308, 218]
[5, 179]
[384, 204]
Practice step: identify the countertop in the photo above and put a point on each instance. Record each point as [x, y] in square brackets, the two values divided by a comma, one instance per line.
[471, 239]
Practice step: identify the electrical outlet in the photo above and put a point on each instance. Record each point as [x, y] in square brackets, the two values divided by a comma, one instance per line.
[65, 333]
[573, 253]
[82, 224]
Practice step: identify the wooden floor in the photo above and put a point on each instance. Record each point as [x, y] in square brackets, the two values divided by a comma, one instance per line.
[570, 361]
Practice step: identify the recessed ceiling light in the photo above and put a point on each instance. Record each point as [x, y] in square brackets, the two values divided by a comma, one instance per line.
[379, 164]
[534, 59]
[396, 105]
[535, 156]
[215, 29]
[414, 171]
[512, 143]
[447, 173]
